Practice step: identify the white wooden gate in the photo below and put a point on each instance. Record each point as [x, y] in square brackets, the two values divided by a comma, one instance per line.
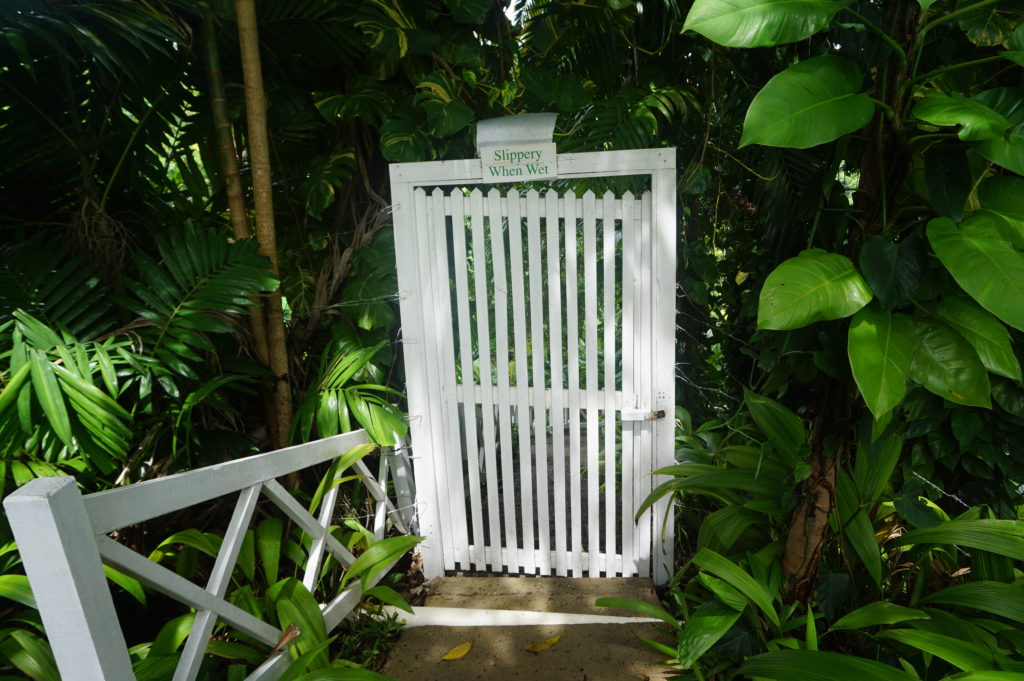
[538, 331]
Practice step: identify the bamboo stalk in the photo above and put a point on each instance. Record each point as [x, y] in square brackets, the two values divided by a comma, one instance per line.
[259, 156]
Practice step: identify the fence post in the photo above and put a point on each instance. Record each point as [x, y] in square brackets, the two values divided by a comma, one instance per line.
[59, 552]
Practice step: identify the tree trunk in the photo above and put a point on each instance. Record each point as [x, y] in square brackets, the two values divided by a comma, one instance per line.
[229, 170]
[259, 157]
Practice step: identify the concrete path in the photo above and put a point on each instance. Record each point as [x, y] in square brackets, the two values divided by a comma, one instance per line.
[584, 652]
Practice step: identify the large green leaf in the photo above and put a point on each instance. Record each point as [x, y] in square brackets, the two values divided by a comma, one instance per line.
[375, 559]
[813, 665]
[812, 287]
[639, 606]
[759, 23]
[403, 140]
[963, 654]
[878, 613]
[777, 423]
[948, 180]
[726, 570]
[892, 270]
[947, 365]
[469, 11]
[880, 347]
[810, 103]
[1009, 151]
[986, 334]
[706, 625]
[985, 26]
[996, 598]
[1004, 537]
[984, 265]
[1001, 195]
[296, 605]
[976, 120]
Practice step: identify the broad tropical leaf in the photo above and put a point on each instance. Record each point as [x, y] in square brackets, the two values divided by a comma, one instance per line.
[963, 654]
[812, 287]
[779, 424]
[976, 121]
[1009, 151]
[947, 365]
[759, 23]
[984, 265]
[880, 348]
[638, 606]
[1001, 195]
[725, 569]
[986, 334]
[810, 103]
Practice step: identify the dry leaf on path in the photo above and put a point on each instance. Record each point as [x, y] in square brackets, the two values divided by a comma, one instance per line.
[458, 651]
[542, 645]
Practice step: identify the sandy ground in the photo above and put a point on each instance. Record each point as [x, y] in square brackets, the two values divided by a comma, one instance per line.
[585, 652]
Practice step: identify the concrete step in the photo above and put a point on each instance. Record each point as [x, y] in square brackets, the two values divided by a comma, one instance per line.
[585, 652]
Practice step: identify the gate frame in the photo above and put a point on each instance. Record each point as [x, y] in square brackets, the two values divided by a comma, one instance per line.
[660, 164]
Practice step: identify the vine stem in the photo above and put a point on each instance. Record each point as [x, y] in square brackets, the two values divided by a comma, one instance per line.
[885, 36]
[954, 14]
[945, 69]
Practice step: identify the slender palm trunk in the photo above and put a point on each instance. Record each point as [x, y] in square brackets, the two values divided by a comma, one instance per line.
[229, 170]
[259, 156]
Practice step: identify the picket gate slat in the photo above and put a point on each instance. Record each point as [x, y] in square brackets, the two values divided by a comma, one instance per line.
[537, 355]
[630, 275]
[590, 349]
[572, 340]
[557, 386]
[467, 383]
[528, 556]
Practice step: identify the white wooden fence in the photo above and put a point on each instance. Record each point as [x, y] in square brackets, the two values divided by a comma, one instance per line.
[539, 350]
[63, 540]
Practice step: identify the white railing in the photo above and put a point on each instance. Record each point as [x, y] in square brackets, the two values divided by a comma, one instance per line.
[63, 540]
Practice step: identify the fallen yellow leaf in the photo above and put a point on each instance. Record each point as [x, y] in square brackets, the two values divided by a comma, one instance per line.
[542, 645]
[458, 651]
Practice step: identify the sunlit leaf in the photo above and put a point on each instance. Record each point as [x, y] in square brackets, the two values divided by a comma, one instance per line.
[986, 334]
[947, 365]
[976, 121]
[810, 103]
[540, 646]
[759, 23]
[814, 286]
[813, 665]
[880, 347]
[878, 613]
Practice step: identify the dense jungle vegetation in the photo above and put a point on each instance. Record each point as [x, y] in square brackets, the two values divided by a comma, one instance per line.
[196, 267]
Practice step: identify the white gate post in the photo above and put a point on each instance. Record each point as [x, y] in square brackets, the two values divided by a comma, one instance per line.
[57, 546]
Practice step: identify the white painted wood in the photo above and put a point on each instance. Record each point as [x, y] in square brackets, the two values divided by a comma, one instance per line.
[409, 281]
[483, 355]
[217, 585]
[503, 393]
[557, 386]
[630, 281]
[664, 310]
[449, 430]
[543, 342]
[523, 394]
[434, 270]
[470, 447]
[319, 544]
[402, 477]
[63, 565]
[385, 507]
[177, 587]
[572, 340]
[537, 356]
[609, 326]
[113, 509]
[644, 368]
[298, 515]
[590, 364]
[434, 616]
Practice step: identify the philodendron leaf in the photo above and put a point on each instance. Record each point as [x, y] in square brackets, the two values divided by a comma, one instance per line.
[976, 120]
[947, 365]
[759, 23]
[1002, 195]
[469, 11]
[810, 103]
[1005, 151]
[984, 265]
[880, 346]
[986, 334]
[812, 287]
[892, 270]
